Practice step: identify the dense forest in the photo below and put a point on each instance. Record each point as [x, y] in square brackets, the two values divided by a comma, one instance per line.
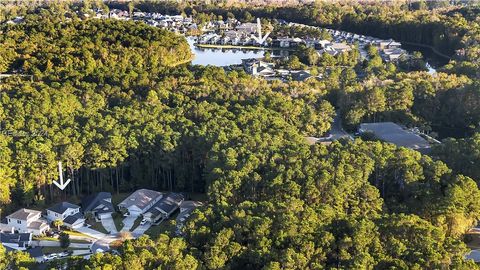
[118, 103]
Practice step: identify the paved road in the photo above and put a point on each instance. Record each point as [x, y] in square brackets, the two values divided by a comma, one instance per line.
[337, 130]
[140, 230]
[81, 252]
[90, 232]
[109, 225]
[128, 223]
[80, 245]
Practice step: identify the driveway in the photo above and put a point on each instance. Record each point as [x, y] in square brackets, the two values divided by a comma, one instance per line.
[90, 232]
[337, 130]
[140, 230]
[128, 223]
[109, 225]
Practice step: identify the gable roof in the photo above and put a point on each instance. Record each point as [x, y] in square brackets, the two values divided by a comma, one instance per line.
[140, 198]
[63, 207]
[24, 214]
[100, 202]
[15, 238]
[35, 252]
[72, 219]
[167, 204]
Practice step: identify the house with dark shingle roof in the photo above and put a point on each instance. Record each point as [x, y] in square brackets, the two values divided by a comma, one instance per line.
[69, 213]
[98, 204]
[36, 253]
[62, 210]
[164, 207]
[17, 241]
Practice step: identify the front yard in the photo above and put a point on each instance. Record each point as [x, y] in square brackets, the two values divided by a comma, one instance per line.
[97, 226]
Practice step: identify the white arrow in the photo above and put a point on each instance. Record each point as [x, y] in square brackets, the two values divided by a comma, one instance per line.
[62, 185]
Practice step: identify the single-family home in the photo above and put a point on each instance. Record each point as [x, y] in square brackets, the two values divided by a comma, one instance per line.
[139, 201]
[99, 205]
[17, 241]
[74, 221]
[62, 210]
[28, 221]
[164, 207]
[186, 209]
[36, 253]
[5, 228]
[257, 67]
[248, 28]
[393, 54]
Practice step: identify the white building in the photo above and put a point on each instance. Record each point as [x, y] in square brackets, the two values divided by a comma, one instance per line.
[28, 221]
[62, 210]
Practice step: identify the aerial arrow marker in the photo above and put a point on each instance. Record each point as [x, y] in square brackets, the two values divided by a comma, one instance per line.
[62, 185]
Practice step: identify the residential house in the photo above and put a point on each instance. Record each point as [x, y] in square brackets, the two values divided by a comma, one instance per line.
[62, 210]
[286, 42]
[164, 207]
[392, 54]
[258, 67]
[28, 221]
[5, 228]
[247, 28]
[139, 201]
[17, 241]
[186, 209]
[99, 205]
[36, 253]
[301, 75]
[74, 221]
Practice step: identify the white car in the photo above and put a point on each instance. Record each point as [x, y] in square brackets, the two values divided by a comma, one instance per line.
[50, 257]
[143, 222]
[63, 254]
[126, 214]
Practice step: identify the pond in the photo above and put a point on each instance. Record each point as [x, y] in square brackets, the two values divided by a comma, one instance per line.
[221, 57]
[227, 57]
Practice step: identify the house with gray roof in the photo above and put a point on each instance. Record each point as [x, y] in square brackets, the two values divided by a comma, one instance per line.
[164, 207]
[74, 221]
[36, 253]
[139, 201]
[62, 210]
[16, 241]
[99, 205]
[186, 209]
[28, 221]
[393, 133]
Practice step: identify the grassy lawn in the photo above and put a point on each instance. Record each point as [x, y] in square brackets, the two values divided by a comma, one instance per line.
[44, 238]
[118, 198]
[166, 227]
[97, 226]
[118, 220]
[202, 197]
[75, 233]
[80, 241]
[136, 223]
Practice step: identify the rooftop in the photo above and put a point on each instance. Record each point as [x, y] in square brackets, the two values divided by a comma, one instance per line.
[140, 198]
[24, 214]
[62, 207]
[393, 133]
[101, 202]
